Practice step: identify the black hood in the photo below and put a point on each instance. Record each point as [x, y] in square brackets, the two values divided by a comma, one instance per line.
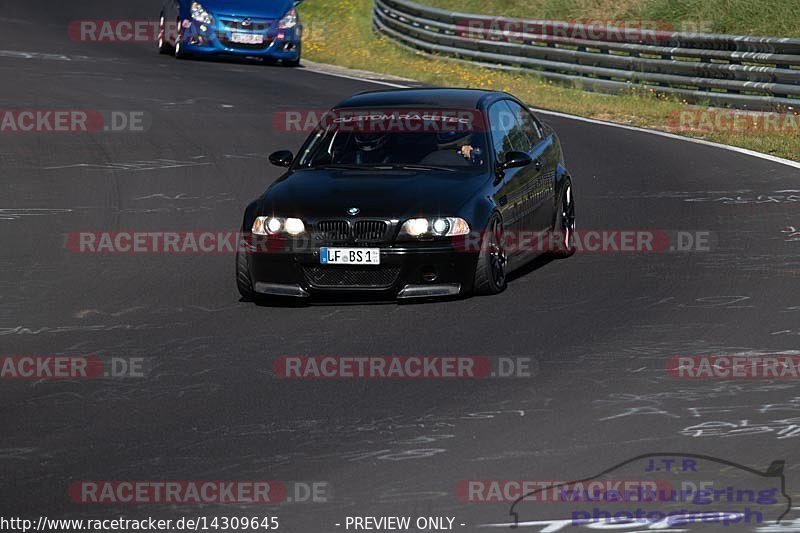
[390, 194]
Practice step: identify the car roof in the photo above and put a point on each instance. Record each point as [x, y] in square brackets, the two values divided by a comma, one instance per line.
[440, 97]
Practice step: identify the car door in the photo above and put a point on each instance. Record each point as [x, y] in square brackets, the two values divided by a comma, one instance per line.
[545, 154]
[538, 194]
[502, 125]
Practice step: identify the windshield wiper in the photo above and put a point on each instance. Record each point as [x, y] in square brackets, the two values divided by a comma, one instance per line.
[340, 166]
[422, 167]
[382, 167]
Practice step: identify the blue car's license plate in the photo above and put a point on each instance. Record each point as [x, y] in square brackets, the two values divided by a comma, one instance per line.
[247, 38]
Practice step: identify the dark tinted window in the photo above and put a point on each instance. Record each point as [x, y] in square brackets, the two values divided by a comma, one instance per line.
[528, 123]
[513, 128]
[392, 137]
[505, 130]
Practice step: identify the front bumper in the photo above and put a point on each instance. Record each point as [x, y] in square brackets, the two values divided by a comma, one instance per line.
[199, 39]
[405, 272]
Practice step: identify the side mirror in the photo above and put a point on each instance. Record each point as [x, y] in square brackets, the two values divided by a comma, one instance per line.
[281, 158]
[516, 160]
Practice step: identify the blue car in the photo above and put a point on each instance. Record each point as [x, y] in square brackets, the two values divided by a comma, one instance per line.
[266, 29]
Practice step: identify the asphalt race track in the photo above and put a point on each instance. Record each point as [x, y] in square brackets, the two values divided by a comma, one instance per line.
[600, 326]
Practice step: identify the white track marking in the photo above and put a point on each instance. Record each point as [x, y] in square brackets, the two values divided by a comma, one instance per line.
[357, 78]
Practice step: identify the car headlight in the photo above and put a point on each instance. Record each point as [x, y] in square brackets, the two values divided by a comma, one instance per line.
[200, 14]
[434, 227]
[289, 20]
[275, 225]
[416, 227]
[294, 226]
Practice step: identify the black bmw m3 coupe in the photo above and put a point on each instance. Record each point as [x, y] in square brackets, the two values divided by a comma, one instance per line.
[409, 193]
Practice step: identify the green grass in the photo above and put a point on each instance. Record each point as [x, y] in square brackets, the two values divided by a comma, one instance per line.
[776, 18]
[340, 32]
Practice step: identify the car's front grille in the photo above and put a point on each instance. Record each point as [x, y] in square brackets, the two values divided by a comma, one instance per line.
[370, 230]
[333, 230]
[238, 24]
[224, 38]
[360, 232]
[334, 276]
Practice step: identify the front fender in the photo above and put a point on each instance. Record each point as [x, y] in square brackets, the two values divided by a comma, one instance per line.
[562, 175]
[479, 209]
[250, 214]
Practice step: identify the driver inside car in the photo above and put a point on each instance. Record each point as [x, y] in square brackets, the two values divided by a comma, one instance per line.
[371, 148]
[455, 149]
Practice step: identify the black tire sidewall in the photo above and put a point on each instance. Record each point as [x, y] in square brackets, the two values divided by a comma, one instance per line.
[484, 280]
[558, 222]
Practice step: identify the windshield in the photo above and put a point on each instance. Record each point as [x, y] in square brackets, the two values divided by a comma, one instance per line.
[392, 138]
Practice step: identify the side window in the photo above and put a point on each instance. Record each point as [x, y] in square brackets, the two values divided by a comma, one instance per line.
[508, 134]
[529, 124]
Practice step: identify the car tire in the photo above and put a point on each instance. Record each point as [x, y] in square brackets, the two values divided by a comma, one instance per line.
[565, 222]
[490, 271]
[243, 280]
[163, 45]
[291, 64]
[179, 53]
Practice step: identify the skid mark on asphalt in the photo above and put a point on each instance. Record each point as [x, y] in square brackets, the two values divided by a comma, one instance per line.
[158, 311]
[14, 214]
[133, 166]
[38, 330]
[791, 233]
[724, 410]
[19, 54]
[725, 197]
[763, 263]
[245, 156]
[184, 196]
[15, 453]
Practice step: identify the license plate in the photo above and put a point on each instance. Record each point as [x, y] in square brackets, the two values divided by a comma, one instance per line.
[350, 256]
[247, 38]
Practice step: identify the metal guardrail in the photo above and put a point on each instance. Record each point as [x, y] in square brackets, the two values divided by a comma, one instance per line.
[759, 73]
